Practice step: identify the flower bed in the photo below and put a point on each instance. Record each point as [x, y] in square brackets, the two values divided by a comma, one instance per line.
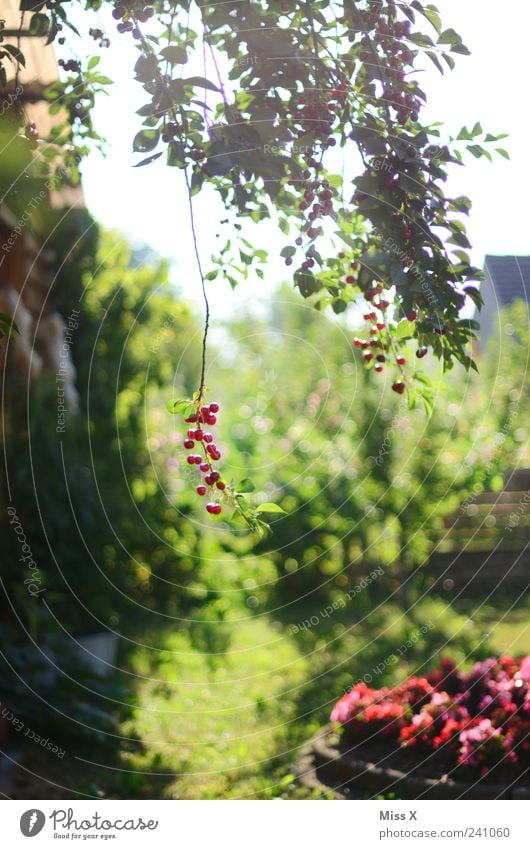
[471, 727]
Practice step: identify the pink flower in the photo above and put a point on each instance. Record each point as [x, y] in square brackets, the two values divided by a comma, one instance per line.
[476, 742]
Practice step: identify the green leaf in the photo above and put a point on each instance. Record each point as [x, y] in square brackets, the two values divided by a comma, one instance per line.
[422, 378]
[175, 54]
[178, 405]
[101, 79]
[434, 59]
[200, 81]
[93, 62]
[449, 36]
[7, 325]
[270, 507]
[502, 152]
[39, 24]
[146, 140]
[31, 5]
[148, 160]
[15, 53]
[432, 15]
[404, 330]
[246, 485]
[462, 49]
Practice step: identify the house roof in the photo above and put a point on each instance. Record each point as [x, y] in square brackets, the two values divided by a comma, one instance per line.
[510, 276]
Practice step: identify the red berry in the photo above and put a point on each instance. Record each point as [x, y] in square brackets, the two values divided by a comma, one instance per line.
[215, 476]
[192, 418]
[191, 433]
[312, 232]
[412, 316]
[201, 490]
[208, 480]
[407, 235]
[191, 459]
[214, 508]
[367, 357]
[401, 361]
[214, 407]
[199, 435]
[189, 444]
[211, 448]
[358, 342]
[380, 325]
[383, 305]
[399, 387]
[205, 411]
[381, 358]
[204, 467]
[378, 367]
[220, 485]
[421, 352]
[208, 437]
[350, 279]
[211, 419]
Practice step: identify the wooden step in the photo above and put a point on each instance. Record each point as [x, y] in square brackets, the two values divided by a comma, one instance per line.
[481, 572]
[517, 480]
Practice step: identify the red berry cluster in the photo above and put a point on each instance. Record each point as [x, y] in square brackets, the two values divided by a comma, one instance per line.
[70, 65]
[317, 202]
[198, 437]
[130, 11]
[348, 267]
[316, 118]
[99, 36]
[397, 92]
[378, 346]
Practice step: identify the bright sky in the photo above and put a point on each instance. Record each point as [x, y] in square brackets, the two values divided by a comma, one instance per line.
[148, 204]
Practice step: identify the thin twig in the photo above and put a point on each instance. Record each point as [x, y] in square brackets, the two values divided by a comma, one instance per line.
[203, 287]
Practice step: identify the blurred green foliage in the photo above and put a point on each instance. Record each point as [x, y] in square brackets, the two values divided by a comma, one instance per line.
[120, 536]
